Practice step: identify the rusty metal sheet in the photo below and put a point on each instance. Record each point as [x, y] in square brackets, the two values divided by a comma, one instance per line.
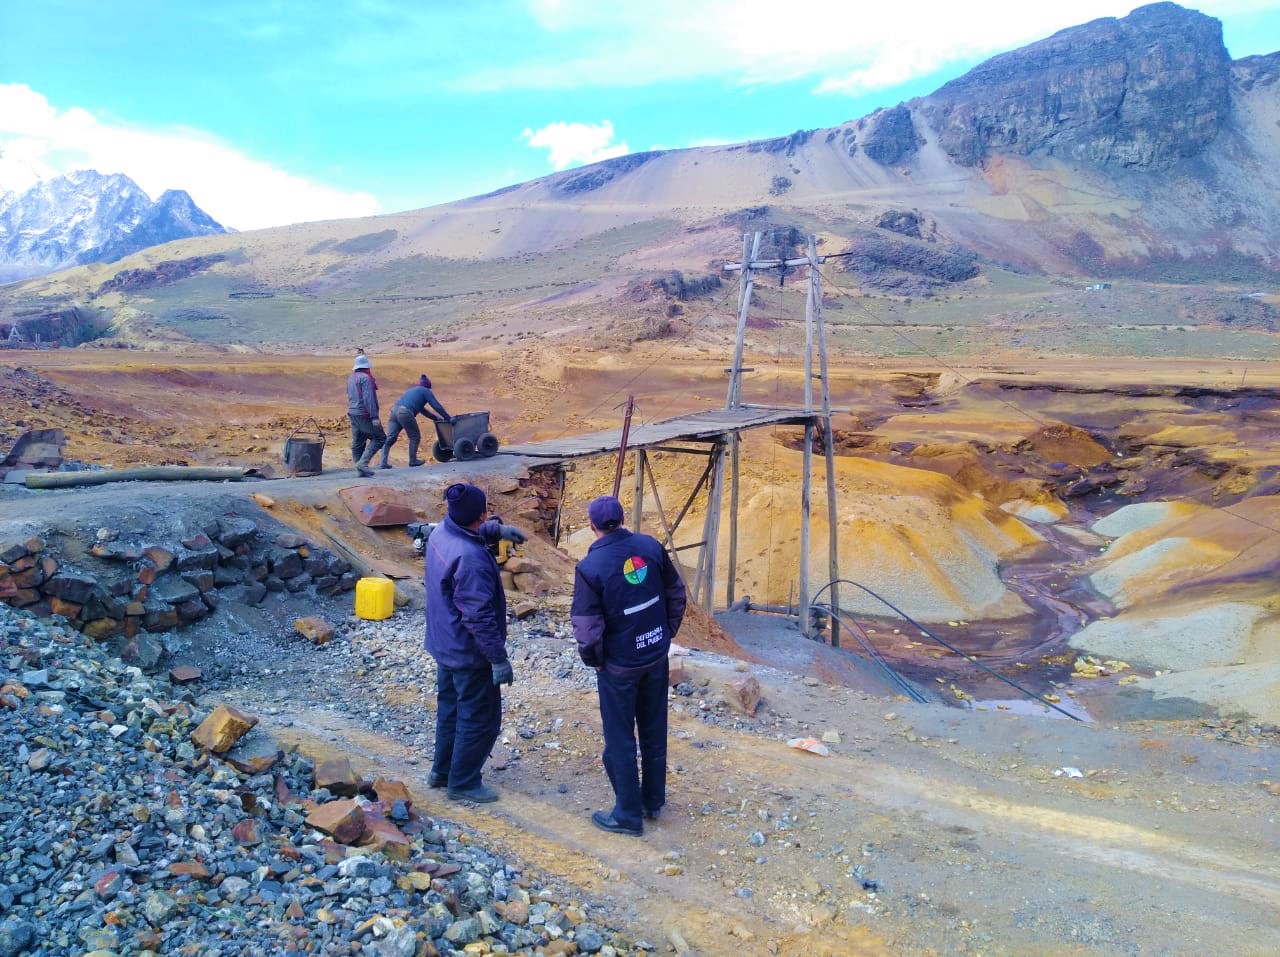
[36, 449]
[377, 507]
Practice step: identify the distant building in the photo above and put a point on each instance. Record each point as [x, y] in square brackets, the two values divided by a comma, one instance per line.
[1098, 287]
[15, 339]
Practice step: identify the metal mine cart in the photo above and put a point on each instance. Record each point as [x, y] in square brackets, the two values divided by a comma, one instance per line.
[463, 437]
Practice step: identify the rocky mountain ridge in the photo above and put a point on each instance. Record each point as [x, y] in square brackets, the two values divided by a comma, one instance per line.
[1122, 148]
[86, 217]
[1142, 91]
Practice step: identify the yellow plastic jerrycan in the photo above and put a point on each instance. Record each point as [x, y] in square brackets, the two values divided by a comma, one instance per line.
[375, 598]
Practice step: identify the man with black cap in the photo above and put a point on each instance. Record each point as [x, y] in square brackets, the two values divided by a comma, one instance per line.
[362, 409]
[404, 416]
[467, 635]
[628, 602]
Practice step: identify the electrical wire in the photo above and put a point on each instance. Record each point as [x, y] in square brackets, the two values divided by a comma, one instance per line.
[662, 355]
[915, 345]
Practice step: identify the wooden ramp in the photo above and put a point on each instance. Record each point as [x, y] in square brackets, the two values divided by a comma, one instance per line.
[709, 426]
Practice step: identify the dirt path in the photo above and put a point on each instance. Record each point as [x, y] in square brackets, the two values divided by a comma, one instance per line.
[928, 830]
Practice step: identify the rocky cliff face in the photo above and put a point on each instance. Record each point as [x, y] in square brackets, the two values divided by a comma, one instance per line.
[1254, 70]
[892, 138]
[1142, 91]
[86, 217]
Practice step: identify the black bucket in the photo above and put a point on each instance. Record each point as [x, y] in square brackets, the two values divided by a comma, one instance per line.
[304, 449]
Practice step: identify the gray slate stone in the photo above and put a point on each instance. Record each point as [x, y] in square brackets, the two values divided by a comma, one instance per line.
[174, 590]
[16, 937]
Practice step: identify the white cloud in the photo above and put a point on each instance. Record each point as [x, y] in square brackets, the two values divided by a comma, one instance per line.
[38, 140]
[842, 47]
[574, 144]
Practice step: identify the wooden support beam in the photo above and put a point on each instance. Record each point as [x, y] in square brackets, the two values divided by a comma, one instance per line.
[673, 448]
[564, 475]
[771, 263]
[662, 515]
[808, 349]
[805, 490]
[637, 499]
[731, 580]
[711, 462]
[833, 513]
[711, 535]
[786, 408]
[745, 284]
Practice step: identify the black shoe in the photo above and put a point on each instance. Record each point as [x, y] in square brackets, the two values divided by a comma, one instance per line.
[437, 780]
[604, 820]
[416, 462]
[385, 465]
[652, 813]
[364, 470]
[480, 794]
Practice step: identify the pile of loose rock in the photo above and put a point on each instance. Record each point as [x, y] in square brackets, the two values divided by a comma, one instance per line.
[132, 822]
[127, 588]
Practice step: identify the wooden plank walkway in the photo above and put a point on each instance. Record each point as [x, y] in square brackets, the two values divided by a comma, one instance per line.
[695, 427]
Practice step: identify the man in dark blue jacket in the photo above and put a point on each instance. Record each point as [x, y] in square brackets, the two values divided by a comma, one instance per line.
[467, 636]
[628, 602]
[404, 417]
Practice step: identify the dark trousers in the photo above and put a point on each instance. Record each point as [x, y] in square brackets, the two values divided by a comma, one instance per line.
[366, 437]
[631, 706]
[402, 420]
[468, 717]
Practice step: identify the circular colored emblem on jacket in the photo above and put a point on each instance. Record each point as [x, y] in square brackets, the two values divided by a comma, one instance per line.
[635, 569]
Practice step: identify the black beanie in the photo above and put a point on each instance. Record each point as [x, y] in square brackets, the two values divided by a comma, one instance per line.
[466, 503]
[424, 381]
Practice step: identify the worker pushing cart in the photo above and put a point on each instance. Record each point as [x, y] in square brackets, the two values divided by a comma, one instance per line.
[404, 417]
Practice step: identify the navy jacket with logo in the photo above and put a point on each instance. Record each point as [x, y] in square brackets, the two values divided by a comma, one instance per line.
[466, 606]
[628, 602]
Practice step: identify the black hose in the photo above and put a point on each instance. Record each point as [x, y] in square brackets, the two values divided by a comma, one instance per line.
[874, 654]
[946, 644]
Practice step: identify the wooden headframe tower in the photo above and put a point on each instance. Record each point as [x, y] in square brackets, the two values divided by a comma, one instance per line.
[815, 339]
[714, 435]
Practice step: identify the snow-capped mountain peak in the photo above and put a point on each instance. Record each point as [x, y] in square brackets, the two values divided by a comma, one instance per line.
[85, 216]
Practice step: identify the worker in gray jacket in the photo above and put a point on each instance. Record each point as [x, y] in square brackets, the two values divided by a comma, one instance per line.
[404, 417]
[367, 435]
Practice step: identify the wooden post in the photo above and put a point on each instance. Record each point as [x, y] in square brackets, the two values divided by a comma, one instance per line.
[711, 529]
[637, 501]
[808, 350]
[662, 515]
[559, 505]
[804, 527]
[746, 282]
[732, 580]
[622, 447]
[833, 513]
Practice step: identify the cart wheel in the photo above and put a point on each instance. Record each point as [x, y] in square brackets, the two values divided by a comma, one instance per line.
[464, 449]
[487, 445]
[440, 453]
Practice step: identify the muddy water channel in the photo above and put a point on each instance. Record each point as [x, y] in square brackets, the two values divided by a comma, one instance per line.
[1031, 651]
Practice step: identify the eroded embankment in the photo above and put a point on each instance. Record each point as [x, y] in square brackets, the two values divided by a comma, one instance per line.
[1159, 522]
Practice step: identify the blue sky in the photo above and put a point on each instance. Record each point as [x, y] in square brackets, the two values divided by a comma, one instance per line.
[276, 111]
